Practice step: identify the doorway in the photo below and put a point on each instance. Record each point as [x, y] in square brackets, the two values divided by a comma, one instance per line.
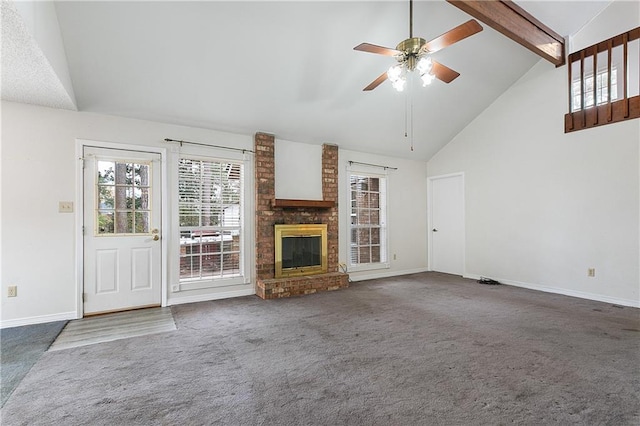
[446, 223]
[122, 229]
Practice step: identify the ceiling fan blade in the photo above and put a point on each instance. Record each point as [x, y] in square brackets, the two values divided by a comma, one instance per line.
[377, 82]
[454, 35]
[372, 48]
[443, 72]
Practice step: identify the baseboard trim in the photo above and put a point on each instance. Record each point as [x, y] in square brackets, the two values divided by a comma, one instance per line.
[211, 296]
[565, 292]
[385, 274]
[41, 319]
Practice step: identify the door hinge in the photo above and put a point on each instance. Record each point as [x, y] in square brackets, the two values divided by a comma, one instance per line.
[84, 297]
[83, 230]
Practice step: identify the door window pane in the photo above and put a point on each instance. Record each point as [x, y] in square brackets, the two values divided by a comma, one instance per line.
[123, 200]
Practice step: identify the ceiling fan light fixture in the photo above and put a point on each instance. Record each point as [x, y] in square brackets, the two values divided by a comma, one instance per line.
[397, 76]
[424, 65]
[399, 84]
[395, 72]
[427, 78]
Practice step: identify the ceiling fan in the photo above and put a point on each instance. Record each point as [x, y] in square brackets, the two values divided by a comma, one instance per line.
[414, 54]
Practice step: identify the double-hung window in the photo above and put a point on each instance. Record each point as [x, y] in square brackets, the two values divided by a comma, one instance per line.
[368, 221]
[210, 195]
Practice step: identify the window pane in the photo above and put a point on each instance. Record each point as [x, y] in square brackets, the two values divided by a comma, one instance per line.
[375, 254]
[106, 173]
[106, 197]
[129, 174]
[121, 197]
[374, 200]
[363, 217]
[354, 255]
[364, 255]
[105, 222]
[375, 235]
[374, 184]
[128, 198]
[142, 222]
[231, 264]
[374, 217]
[363, 237]
[142, 174]
[121, 174]
[129, 221]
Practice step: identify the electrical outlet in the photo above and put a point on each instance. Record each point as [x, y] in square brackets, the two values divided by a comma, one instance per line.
[591, 272]
[65, 207]
[12, 291]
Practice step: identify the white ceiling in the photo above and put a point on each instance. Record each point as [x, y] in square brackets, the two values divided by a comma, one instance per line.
[289, 68]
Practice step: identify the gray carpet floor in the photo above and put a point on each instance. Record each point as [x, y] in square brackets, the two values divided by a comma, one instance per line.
[420, 349]
[20, 349]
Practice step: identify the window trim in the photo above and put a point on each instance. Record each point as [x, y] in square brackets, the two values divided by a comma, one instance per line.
[384, 214]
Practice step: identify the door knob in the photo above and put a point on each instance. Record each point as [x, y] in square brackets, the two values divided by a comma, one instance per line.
[435, 230]
[154, 231]
[156, 237]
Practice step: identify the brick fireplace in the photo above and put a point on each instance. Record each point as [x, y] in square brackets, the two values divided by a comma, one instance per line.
[271, 212]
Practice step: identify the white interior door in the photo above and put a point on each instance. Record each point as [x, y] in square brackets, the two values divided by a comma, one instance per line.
[447, 224]
[122, 249]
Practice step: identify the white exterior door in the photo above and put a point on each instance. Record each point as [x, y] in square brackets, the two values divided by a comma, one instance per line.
[447, 224]
[122, 248]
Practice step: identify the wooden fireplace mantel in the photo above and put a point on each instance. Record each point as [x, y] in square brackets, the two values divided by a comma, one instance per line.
[296, 204]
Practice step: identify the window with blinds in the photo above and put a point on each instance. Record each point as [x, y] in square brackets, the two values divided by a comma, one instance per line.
[368, 230]
[210, 219]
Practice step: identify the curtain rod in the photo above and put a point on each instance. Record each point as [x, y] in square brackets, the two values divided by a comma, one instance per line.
[373, 165]
[210, 146]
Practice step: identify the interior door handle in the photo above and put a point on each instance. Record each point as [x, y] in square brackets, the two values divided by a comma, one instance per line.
[156, 237]
[435, 230]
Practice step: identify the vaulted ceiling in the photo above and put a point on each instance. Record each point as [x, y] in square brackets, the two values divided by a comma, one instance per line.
[287, 68]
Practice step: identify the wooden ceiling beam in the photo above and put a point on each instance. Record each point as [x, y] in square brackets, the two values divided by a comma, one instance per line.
[520, 26]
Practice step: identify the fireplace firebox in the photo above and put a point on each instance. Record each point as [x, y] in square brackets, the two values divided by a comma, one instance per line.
[300, 250]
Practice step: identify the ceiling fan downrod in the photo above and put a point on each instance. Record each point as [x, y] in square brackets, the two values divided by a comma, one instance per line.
[410, 18]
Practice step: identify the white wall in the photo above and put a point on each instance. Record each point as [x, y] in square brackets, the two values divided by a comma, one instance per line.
[407, 213]
[39, 170]
[543, 206]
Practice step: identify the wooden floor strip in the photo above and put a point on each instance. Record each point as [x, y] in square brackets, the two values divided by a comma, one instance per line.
[110, 327]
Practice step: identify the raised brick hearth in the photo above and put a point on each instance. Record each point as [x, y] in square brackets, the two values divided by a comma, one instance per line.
[269, 287]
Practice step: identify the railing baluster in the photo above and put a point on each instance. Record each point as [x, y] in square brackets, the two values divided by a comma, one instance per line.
[625, 55]
[570, 65]
[609, 107]
[595, 86]
[582, 89]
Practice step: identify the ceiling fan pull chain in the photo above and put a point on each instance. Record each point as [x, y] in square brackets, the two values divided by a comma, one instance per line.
[411, 111]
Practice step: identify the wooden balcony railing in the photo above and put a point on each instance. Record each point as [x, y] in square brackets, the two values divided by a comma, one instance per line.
[604, 82]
